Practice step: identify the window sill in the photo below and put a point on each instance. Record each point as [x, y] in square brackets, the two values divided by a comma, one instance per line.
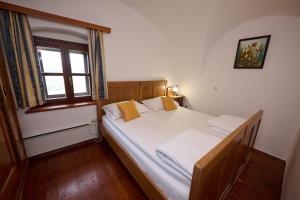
[45, 108]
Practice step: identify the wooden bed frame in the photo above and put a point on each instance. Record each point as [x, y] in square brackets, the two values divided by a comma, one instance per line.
[214, 174]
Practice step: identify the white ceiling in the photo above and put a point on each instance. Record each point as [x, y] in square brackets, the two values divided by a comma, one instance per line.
[220, 15]
[192, 27]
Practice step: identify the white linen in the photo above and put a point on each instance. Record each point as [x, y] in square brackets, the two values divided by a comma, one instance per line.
[184, 150]
[226, 123]
[114, 112]
[156, 103]
[110, 116]
[151, 130]
[170, 185]
[219, 130]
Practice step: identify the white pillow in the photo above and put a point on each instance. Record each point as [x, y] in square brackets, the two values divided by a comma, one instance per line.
[111, 117]
[176, 103]
[156, 103]
[113, 112]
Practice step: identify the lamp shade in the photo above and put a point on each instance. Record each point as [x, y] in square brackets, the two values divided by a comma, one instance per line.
[175, 89]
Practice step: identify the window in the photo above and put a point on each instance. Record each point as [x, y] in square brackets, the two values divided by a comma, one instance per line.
[65, 70]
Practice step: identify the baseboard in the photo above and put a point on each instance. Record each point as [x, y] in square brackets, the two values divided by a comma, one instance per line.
[49, 153]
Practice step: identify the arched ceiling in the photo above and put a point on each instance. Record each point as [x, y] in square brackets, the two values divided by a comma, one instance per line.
[212, 17]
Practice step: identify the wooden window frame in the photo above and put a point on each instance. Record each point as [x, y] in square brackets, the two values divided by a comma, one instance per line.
[52, 17]
[65, 47]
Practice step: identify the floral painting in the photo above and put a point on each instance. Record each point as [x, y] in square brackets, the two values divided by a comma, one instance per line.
[251, 52]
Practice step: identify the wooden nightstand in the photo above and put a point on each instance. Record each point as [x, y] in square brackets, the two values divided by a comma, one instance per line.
[179, 99]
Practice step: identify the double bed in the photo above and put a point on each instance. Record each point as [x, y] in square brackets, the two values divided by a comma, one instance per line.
[135, 143]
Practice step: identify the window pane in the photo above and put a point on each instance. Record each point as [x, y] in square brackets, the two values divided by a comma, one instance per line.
[81, 86]
[55, 86]
[50, 59]
[78, 62]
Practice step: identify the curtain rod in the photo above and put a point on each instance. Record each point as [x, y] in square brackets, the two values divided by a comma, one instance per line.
[52, 17]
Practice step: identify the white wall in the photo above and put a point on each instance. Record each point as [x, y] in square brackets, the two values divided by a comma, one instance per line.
[134, 50]
[33, 124]
[45, 143]
[58, 31]
[275, 88]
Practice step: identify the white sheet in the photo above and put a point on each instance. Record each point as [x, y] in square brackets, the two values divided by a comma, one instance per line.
[219, 130]
[184, 150]
[226, 123]
[169, 185]
[143, 135]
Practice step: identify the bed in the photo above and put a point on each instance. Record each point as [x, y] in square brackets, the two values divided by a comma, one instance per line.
[134, 143]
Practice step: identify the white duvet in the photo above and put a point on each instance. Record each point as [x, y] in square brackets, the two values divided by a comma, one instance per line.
[153, 129]
[225, 123]
[184, 150]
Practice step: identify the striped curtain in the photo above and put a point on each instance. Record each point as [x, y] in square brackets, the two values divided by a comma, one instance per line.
[21, 59]
[96, 60]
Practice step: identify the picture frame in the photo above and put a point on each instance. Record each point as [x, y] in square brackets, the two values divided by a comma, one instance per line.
[251, 52]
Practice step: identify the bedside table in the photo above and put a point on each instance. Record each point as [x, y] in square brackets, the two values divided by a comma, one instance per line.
[179, 99]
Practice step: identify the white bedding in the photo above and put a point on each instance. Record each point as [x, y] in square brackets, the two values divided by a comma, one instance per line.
[225, 123]
[140, 137]
[185, 149]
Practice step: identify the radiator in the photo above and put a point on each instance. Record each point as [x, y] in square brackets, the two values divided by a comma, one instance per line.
[53, 140]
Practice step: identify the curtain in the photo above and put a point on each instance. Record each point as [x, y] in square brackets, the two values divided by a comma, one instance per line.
[97, 64]
[21, 59]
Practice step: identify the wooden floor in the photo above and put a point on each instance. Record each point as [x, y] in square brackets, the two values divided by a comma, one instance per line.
[261, 179]
[88, 172]
[93, 171]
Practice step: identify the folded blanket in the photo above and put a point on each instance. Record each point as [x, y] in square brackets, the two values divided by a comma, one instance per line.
[225, 123]
[183, 151]
[219, 130]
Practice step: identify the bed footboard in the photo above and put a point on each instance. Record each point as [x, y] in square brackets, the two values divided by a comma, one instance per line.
[217, 171]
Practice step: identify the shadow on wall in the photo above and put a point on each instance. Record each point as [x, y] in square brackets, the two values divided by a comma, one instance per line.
[292, 177]
[226, 11]
[60, 34]
[67, 32]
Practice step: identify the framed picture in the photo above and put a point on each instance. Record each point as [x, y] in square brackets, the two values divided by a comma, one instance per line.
[251, 52]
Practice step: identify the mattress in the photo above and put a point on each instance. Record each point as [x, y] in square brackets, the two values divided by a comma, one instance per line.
[140, 138]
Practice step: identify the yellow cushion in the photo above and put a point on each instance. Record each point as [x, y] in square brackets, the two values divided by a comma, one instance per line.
[128, 110]
[168, 103]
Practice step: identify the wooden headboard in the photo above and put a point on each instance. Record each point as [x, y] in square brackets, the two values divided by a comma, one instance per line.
[131, 90]
[151, 89]
[122, 91]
